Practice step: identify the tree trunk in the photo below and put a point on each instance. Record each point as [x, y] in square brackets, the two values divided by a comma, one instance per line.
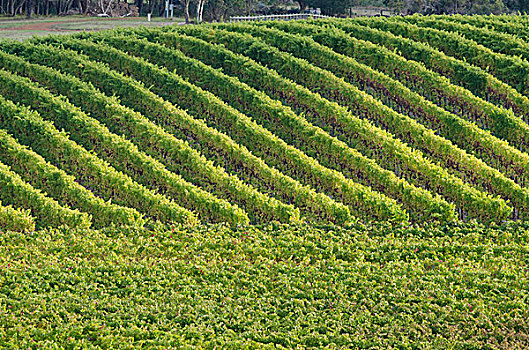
[20, 7]
[186, 10]
[139, 5]
[29, 8]
[200, 10]
[302, 5]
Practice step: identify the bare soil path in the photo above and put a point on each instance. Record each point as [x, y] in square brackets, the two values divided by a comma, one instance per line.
[21, 29]
[54, 26]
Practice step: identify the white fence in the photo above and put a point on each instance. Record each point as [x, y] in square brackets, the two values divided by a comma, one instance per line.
[277, 17]
[370, 12]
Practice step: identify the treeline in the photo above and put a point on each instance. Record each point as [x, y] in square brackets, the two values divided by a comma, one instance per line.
[220, 10]
[480, 7]
[30, 8]
[211, 10]
[43, 7]
[342, 7]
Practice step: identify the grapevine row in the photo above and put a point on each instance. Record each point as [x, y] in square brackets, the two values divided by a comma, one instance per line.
[363, 201]
[520, 18]
[90, 171]
[509, 69]
[444, 93]
[116, 150]
[300, 71]
[34, 170]
[167, 147]
[47, 212]
[176, 154]
[467, 135]
[17, 220]
[514, 25]
[289, 126]
[498, 42]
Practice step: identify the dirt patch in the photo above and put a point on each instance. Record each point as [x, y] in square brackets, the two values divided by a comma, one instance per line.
[54, 26]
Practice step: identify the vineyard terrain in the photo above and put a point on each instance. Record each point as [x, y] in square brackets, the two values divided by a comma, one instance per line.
[341, 183]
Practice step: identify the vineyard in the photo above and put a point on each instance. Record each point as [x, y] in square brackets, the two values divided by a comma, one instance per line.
[403, 120]
[334, 182]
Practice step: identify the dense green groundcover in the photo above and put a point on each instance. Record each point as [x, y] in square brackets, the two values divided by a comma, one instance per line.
[460, 286]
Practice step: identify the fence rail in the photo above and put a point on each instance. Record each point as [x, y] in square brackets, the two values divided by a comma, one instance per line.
[291, 17]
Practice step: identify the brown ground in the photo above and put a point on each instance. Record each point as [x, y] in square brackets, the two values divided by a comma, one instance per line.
[52, 26]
